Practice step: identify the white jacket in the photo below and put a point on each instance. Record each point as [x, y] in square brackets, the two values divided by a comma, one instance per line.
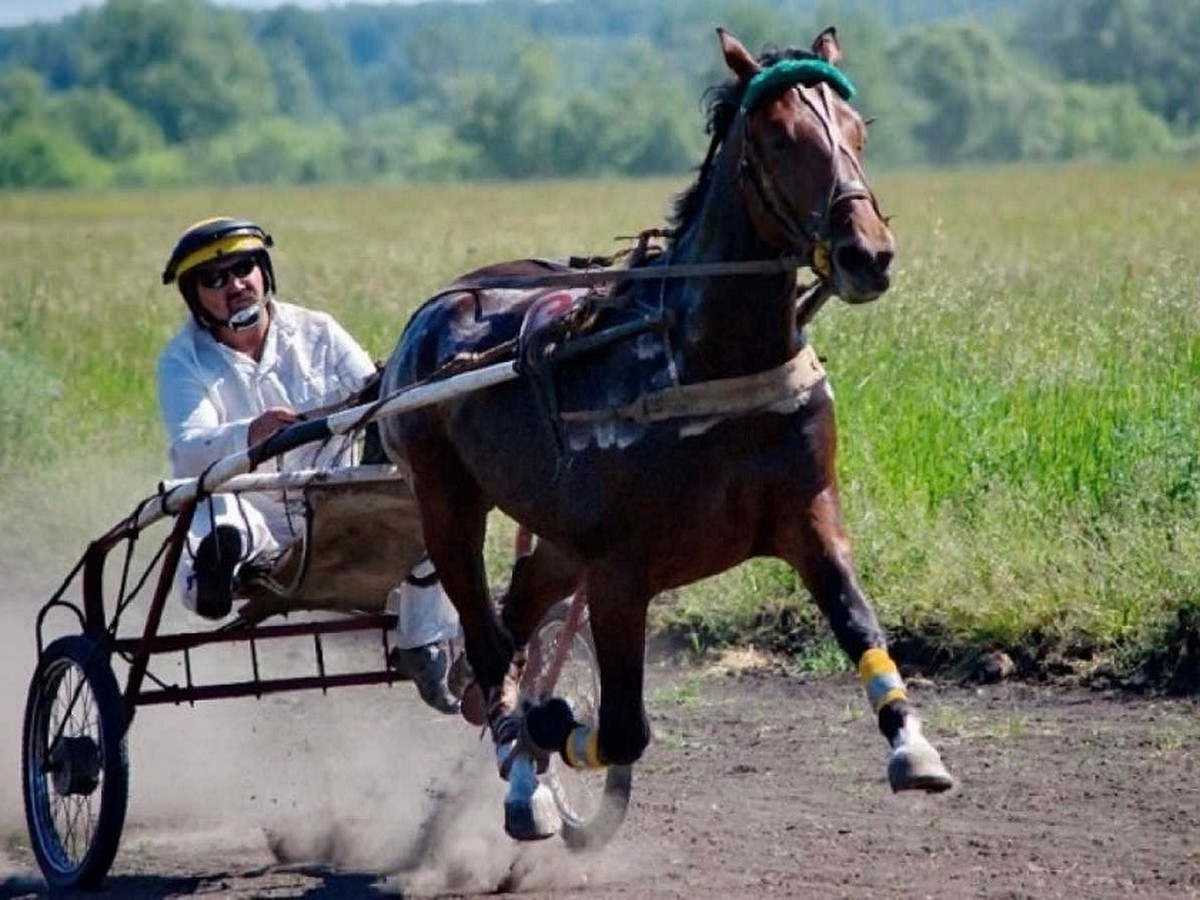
[209, 394]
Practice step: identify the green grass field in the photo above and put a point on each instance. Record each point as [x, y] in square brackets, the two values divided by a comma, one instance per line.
[1019, 415]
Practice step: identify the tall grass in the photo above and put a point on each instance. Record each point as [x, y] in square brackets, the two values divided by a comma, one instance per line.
[1018, 415]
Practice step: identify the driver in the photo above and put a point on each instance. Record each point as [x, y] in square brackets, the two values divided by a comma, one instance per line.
[240, 369]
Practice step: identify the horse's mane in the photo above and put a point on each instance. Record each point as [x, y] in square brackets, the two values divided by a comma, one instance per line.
[722, 101]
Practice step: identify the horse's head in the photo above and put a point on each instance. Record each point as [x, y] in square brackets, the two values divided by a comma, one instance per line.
[801, 168]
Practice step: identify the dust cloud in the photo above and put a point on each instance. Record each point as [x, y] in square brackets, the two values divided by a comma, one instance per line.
[360, 779]
[42, 534]
[45, 527]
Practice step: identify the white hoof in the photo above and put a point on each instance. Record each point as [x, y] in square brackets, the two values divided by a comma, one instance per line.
[534, 819]
[530, 813]
[915, 765]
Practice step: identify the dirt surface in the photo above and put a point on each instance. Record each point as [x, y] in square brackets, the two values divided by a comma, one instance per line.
[755, 785]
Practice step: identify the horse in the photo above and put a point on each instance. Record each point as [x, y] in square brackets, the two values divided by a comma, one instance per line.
[699, 434]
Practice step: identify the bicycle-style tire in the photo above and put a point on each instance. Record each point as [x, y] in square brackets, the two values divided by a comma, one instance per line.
[75, 765]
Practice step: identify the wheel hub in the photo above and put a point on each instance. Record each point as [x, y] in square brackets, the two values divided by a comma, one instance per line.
[74, 765]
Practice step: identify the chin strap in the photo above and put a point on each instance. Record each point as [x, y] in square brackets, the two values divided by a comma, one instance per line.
[243, 318]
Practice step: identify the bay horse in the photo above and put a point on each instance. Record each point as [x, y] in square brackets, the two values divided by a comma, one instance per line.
[700, 435]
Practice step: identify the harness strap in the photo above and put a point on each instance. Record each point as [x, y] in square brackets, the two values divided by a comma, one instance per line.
[595, 277]
[794, 380]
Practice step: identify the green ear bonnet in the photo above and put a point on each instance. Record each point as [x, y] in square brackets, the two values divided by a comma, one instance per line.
[789, 72]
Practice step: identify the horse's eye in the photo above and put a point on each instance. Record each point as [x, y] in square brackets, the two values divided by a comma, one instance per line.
[858, 139]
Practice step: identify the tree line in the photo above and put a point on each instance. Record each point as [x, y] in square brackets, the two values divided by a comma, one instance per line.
[178, 92]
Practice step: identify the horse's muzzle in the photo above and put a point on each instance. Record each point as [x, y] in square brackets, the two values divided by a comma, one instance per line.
[861, 273]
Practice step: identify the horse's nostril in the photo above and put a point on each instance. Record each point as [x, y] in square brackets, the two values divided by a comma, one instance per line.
[856, 258]
[852, 258]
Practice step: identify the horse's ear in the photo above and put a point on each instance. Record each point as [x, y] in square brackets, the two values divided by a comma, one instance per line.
[826, 46]
[737, 57]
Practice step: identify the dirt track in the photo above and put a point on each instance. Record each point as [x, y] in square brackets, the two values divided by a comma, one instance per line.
[755, 785]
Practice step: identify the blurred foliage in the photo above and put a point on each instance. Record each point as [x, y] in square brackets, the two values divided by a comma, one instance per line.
[151, 92]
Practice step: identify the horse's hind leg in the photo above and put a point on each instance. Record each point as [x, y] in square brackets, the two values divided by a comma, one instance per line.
[824, 562]
[617, 603]
[539, 580]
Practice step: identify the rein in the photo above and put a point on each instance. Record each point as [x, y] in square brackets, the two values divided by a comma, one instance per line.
[791, 382]
[786, 74]
[594, 277]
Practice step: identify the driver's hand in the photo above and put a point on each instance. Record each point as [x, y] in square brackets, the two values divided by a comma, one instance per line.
[275, 419]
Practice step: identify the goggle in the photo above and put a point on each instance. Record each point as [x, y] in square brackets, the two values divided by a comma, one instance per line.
[218, 278]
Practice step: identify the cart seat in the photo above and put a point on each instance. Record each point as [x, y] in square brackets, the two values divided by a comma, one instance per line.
[362, 537]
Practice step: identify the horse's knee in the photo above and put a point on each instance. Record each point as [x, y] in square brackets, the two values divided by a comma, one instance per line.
[490, 659]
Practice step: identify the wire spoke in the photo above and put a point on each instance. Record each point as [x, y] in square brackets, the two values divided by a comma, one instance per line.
[73, 713]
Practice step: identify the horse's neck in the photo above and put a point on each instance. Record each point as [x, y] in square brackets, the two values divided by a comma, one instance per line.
[733, 325]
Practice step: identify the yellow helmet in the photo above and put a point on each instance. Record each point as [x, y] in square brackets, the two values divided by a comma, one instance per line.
[210, 239]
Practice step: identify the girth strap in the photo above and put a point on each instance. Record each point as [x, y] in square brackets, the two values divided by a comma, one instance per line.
[794, 380]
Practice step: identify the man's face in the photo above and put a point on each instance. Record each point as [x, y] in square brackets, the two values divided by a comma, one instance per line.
[230, 284]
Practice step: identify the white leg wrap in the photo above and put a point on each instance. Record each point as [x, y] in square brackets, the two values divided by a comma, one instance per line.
[424, 614]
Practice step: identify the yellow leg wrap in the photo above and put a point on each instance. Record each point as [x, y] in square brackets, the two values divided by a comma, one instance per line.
[880, 678]
[583, 749]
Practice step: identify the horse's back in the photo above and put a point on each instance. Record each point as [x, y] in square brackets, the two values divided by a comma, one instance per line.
[467, 318]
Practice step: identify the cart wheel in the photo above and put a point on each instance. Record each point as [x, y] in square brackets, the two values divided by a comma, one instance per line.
[592, 803]
[76, 770]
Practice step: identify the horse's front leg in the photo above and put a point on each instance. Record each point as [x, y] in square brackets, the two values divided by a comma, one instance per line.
[823, 559]
[454, 522]
[617, 603]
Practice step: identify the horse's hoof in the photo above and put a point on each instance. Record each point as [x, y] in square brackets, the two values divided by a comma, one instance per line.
[916, 766]
[534, 819]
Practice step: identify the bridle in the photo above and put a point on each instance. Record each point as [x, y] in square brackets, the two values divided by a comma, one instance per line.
[811, 231]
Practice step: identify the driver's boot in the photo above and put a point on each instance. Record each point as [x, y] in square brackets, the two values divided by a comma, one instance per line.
[217, 556]
[429, 668]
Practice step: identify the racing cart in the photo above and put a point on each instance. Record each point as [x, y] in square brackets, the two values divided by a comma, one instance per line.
[362, 536]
